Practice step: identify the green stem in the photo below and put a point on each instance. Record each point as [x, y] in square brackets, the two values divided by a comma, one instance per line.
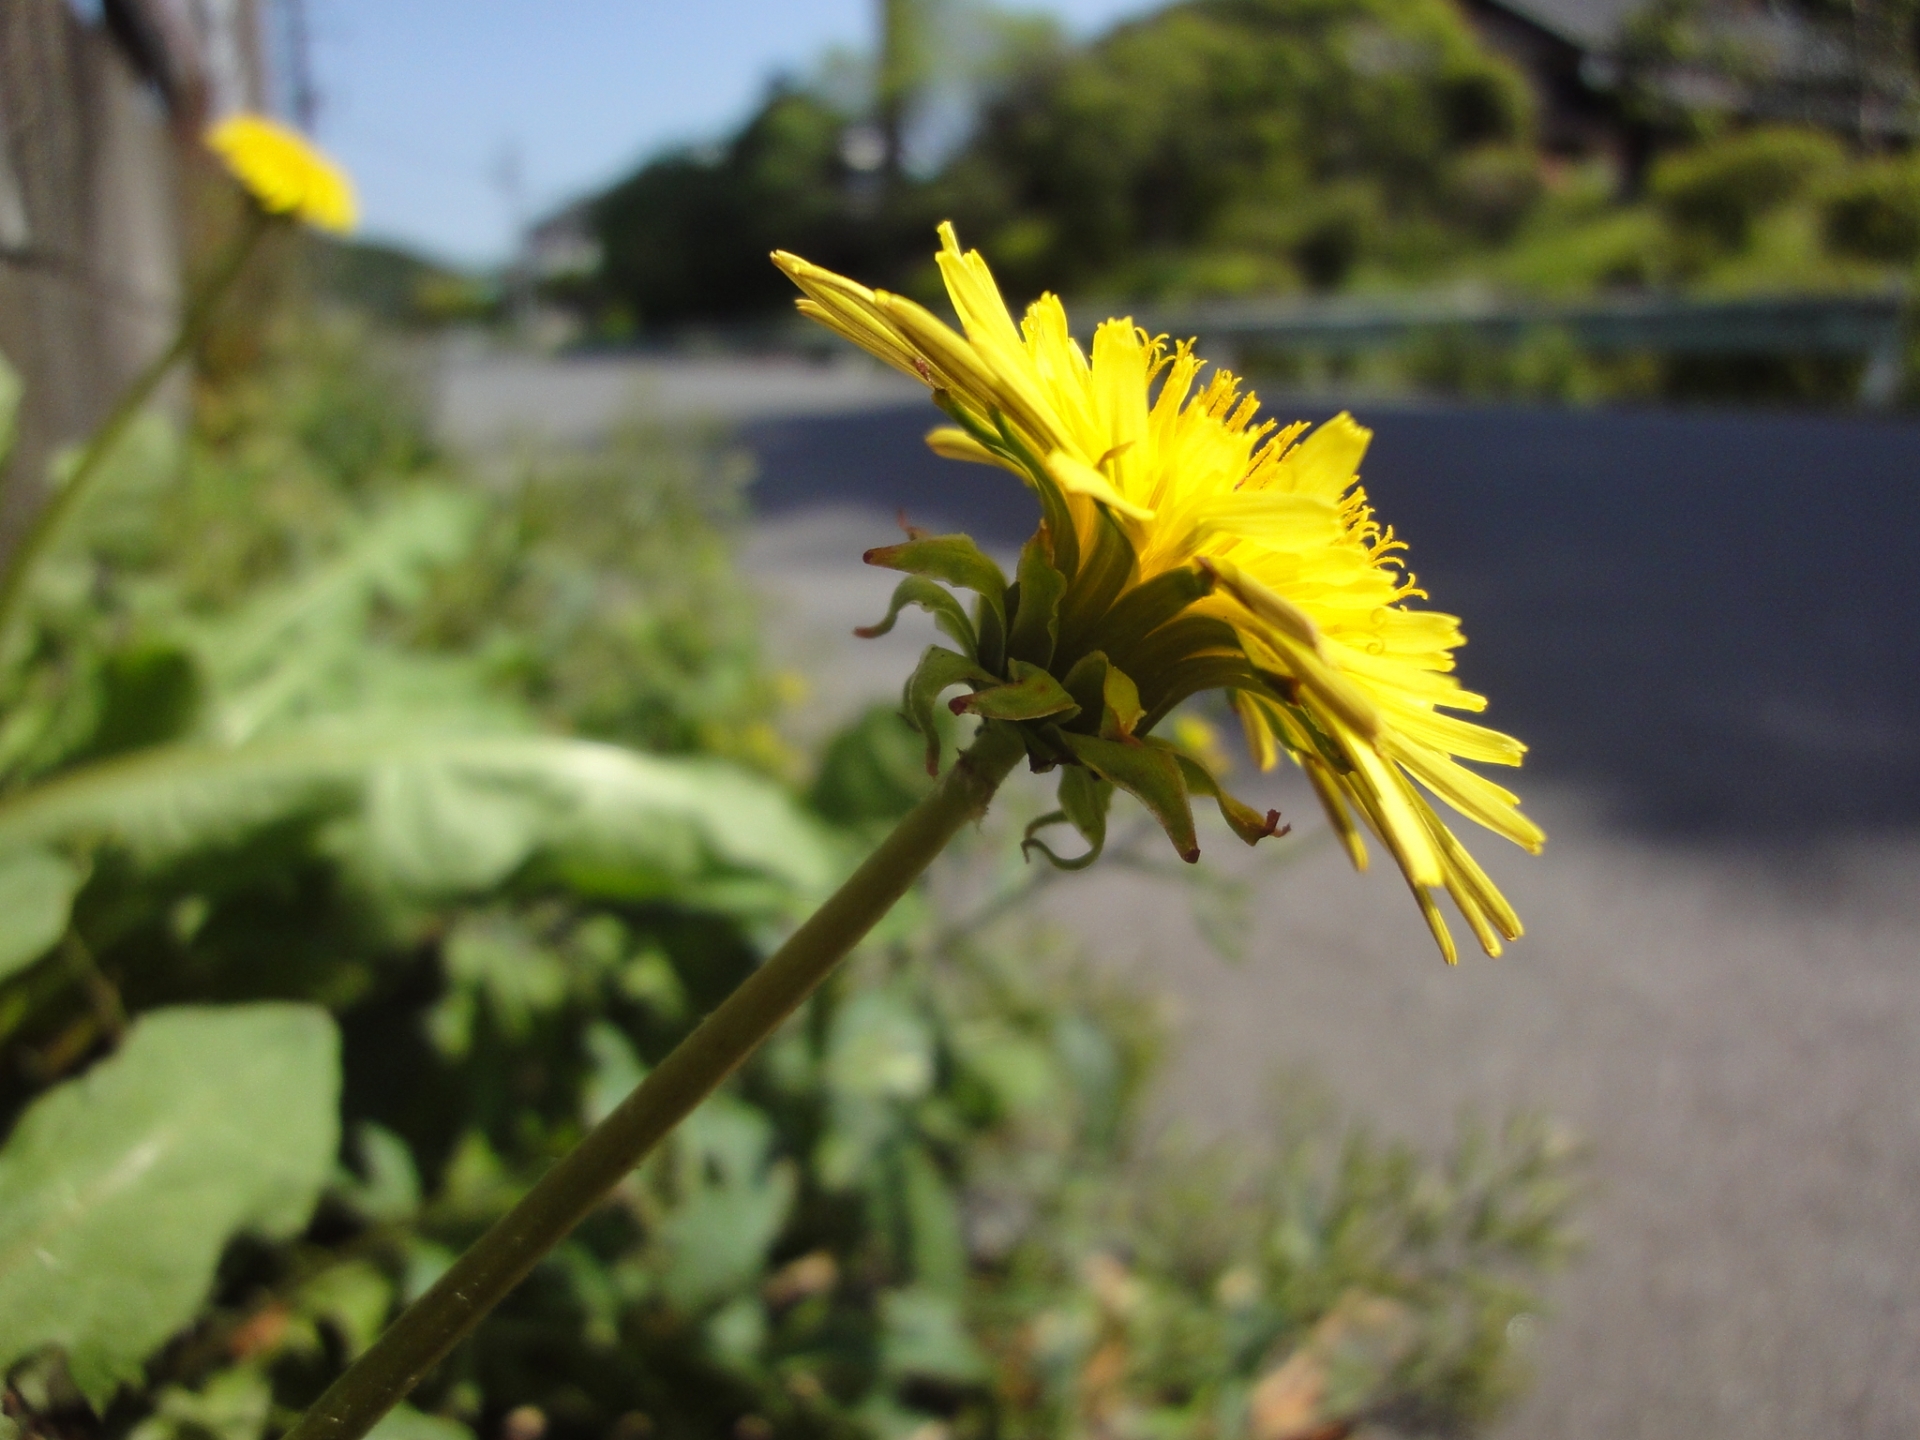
[501, 1258]
[58, 505]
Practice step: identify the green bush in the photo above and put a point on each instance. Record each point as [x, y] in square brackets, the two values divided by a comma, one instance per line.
[1717, 190]
[1873, 212]
[1493, 188]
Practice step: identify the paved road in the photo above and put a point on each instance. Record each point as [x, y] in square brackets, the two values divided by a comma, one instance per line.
[1707, 627]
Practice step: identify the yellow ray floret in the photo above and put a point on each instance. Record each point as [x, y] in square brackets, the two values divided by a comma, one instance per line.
[1139, 435]
[284, 172]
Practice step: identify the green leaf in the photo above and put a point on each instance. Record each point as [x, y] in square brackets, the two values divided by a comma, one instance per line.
[119, 1190]
[233, 1405]
[936, 600]
[403, 1422]
[1103, 575]
[1084, 801]
[1086, 798]
[497, 956]
[1149, 774]
[1245, 821]
[616, 1070]
[924, 1335]
[448, 826]
[1036, 617]
[937, 1235]
[880, 1047]
[1032, 695]
[301, 646]
[872, 769]
[148, 693]
[952, 558]
[36, 895]
[390, 1189]
[991, 622]
[732, 1203]
[451, 814]
[353, 1299]
[1148, 606]
[939, 669]
[1086, 682]
[1120, 708]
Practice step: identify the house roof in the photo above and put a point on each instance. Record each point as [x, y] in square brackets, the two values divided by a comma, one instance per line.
[1589, 24]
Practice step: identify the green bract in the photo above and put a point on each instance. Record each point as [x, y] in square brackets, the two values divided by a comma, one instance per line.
[1057, 664]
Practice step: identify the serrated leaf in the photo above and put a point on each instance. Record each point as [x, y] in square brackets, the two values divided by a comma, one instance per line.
[36, 895]
[605, 820]
[1033, 694]
[444, 826]
[119, 1190]
[301, 646]
[938, 601]
[1149, 774]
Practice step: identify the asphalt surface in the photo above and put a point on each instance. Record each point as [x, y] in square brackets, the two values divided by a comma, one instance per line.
[1707, 626]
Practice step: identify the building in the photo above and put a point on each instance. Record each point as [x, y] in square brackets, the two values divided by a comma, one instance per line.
[1854, 72]
[1569, 49]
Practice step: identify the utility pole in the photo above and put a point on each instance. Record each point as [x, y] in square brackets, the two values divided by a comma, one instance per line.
[897, 79]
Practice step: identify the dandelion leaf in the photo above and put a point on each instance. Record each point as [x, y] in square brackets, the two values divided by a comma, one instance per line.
[118, 1190]
[36, 894]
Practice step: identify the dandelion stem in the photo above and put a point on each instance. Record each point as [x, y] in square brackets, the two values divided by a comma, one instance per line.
[501, 1258]
[60, 503]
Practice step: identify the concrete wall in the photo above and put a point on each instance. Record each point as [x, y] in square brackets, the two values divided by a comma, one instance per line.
[89, 229]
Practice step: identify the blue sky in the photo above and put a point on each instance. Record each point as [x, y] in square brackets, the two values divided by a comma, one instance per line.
[431, 103]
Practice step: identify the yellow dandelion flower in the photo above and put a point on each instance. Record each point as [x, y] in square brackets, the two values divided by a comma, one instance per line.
[1193, 547]
[284, 172]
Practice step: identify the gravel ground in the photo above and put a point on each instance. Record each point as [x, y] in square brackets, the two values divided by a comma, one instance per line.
[1706, 627]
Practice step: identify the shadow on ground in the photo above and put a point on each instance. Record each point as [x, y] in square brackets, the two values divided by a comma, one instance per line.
[1709, 620]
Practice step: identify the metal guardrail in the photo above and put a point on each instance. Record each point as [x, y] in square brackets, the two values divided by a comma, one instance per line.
[1872, 326]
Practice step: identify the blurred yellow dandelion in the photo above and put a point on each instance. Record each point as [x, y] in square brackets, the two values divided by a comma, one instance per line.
[284, 172]
[1295, 598]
